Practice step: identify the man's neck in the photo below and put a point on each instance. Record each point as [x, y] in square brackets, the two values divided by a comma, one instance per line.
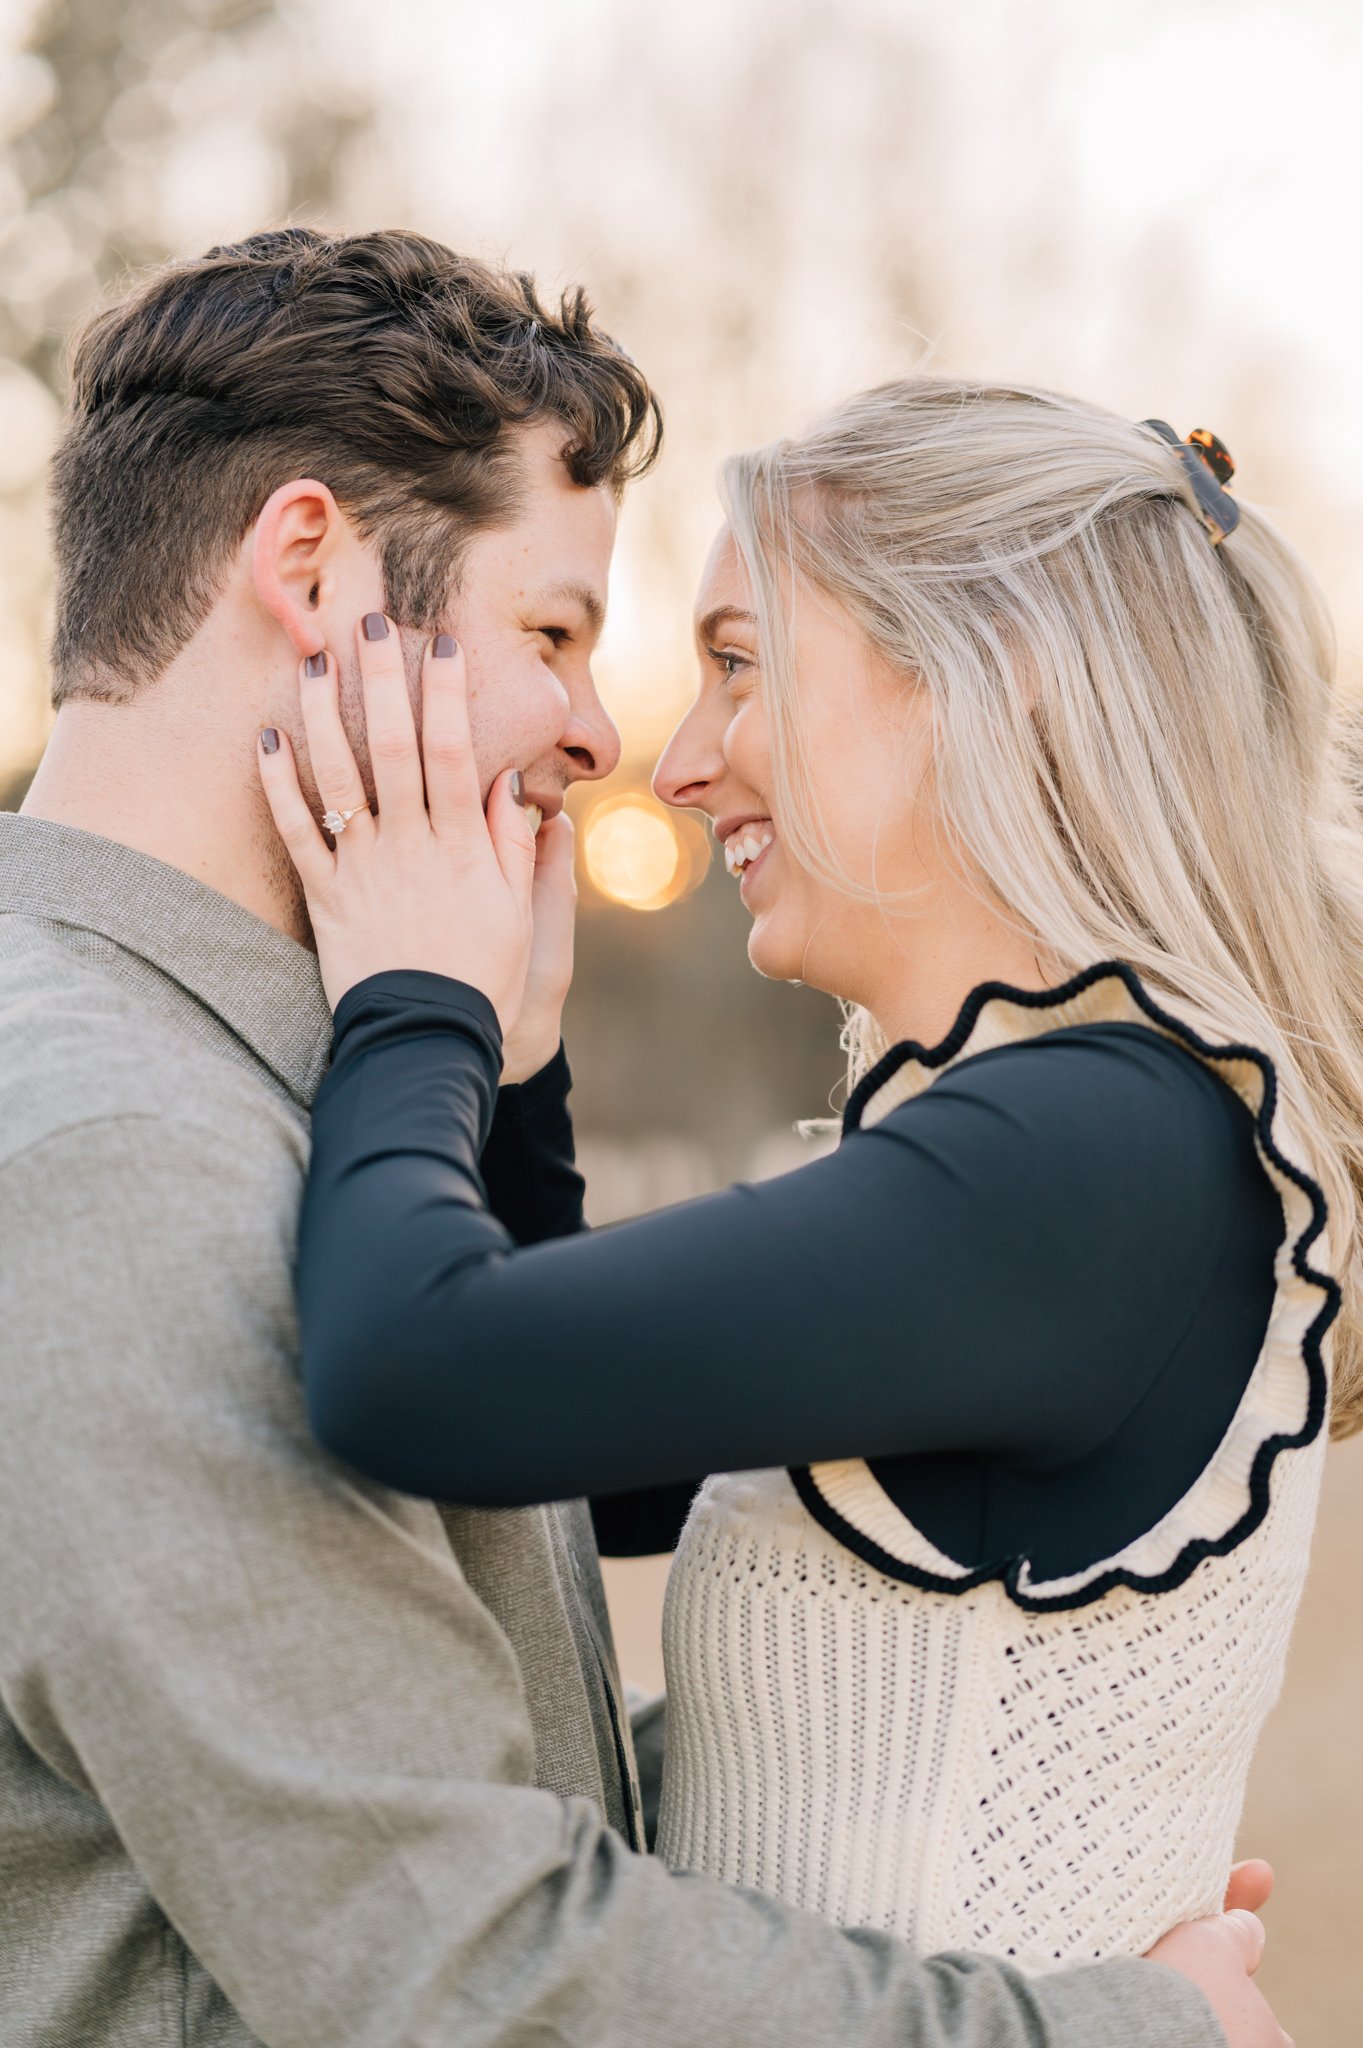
[168, 778]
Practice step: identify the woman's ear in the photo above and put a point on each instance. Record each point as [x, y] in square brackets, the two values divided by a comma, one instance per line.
[295, 552]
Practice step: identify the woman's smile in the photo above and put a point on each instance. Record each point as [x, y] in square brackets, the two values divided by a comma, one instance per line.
[745, 842]
[749, 873]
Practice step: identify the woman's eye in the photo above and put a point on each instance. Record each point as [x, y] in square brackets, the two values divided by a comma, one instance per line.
[732, 665]
[558, 635]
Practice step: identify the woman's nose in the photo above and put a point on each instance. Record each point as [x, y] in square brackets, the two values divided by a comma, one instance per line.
[688, 765]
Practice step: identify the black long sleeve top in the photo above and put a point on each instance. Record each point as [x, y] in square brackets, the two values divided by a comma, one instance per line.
[1031, 1296]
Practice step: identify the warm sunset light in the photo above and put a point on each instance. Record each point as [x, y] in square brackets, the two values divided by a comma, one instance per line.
[634, 854]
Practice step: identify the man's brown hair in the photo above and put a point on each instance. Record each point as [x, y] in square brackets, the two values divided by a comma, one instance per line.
[384, 365]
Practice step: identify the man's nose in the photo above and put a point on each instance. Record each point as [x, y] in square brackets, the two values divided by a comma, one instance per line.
[592, 740]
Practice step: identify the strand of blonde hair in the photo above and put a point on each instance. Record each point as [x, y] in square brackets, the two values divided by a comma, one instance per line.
[1139, 750]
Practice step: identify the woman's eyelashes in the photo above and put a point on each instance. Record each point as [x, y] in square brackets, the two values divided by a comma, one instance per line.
[557, 636]
[730, 663]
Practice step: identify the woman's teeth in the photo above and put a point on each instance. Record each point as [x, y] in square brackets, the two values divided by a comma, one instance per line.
[743, 849]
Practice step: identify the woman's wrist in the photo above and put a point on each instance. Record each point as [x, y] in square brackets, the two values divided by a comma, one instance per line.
[424, 991]
[523, 1061]
[549, 1082]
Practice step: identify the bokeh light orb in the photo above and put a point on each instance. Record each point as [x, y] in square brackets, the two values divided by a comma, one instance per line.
[634, 855]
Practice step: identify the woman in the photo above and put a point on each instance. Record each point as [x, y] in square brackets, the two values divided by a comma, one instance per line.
[1018, 741]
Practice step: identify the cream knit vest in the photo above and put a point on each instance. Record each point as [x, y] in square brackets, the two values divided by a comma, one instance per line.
[1046, 1771]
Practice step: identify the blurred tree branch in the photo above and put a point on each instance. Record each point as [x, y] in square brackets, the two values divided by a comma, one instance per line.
[129, 135]
[103, 99]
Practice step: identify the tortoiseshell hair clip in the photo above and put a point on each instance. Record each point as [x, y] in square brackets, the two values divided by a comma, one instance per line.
[1207, 466]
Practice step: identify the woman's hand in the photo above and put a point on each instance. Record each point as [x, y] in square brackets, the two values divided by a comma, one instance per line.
[535, 1039]
[430, 882]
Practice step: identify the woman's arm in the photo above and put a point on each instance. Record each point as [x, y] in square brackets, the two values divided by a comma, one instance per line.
[535, 1191]
[529, 1165]
[1000, 1267]
[643, 1524]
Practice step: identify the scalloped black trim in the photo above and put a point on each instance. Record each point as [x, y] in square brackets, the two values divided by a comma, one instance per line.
[1009, 1571]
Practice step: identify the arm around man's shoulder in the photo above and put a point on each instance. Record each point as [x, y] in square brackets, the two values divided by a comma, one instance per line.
[307, 1733]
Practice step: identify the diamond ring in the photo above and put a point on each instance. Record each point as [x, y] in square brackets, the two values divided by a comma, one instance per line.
[336, 821]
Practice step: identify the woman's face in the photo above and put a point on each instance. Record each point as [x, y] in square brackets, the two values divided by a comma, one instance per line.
[865, 735]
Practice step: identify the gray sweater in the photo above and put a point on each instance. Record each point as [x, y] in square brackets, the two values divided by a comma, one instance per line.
[286, 1757]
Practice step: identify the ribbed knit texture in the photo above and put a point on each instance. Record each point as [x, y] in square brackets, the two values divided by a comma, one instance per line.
[1048, 1782]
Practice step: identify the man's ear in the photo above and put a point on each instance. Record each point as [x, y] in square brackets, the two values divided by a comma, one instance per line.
[295, 555]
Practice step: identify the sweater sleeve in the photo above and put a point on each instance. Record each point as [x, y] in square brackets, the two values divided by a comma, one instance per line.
[973, 1274]
[529, 1164]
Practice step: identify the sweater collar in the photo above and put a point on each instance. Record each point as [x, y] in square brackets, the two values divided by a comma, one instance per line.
[261, 985]
[993, 1013]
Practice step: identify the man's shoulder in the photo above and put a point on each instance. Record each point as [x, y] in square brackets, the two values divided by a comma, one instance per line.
[146, 1185]
[80, 1054]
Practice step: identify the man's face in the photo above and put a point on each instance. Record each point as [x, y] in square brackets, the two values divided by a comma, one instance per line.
[529, 611]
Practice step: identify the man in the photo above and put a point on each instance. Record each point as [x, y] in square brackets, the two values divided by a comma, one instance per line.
[287, 1758]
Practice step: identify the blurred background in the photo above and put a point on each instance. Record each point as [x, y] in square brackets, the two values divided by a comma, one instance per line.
[772, 202]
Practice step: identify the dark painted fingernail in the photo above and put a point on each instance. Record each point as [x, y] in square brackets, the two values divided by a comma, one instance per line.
[269, 740]
[375, 626]
[518, 789]
[315, 665]
[446, 647]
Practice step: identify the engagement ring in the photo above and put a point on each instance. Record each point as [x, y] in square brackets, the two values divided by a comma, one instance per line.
[336, 821]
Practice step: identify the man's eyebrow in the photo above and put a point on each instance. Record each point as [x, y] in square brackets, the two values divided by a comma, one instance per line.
[723, 615]
[581, 594]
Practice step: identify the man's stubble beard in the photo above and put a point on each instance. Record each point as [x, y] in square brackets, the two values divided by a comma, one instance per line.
[284, 886]
[279, 875]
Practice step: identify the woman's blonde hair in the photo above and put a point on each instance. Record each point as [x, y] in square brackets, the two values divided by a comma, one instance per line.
[1136, 748]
